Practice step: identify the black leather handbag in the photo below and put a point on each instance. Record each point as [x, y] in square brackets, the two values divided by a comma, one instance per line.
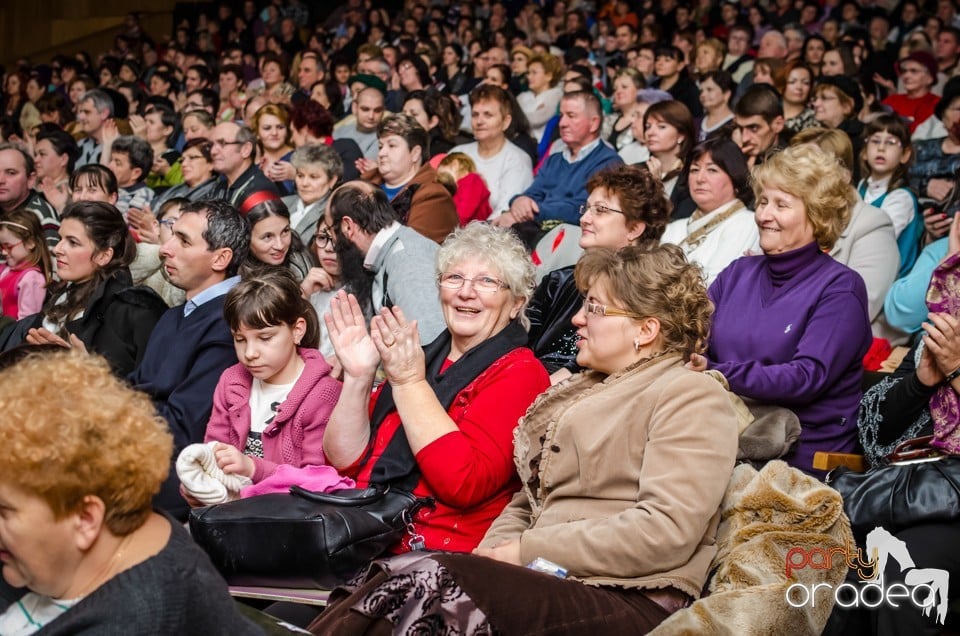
[303, 539]
[918, 486]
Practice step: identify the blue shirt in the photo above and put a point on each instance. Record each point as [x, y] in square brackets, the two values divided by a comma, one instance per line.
[209, 294]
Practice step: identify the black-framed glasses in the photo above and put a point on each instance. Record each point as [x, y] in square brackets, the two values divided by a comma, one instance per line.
[223, 142]
[603, 310]
[598, 209]
[323, 240]
[481, 284]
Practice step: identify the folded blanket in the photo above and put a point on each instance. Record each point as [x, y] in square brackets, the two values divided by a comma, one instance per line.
[203, 479]
[315, 478]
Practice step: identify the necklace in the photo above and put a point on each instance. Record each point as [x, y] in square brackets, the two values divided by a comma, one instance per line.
[101, 576]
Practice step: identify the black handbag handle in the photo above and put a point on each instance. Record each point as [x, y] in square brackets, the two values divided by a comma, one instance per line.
[356, 497]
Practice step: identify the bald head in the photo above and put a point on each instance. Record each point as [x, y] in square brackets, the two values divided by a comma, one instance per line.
[772, 44]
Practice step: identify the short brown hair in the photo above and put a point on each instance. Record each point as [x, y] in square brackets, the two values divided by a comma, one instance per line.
[551, 64]
[71, 429]
[407, 128]
[642, 199]
[655, 282]
[817, 178]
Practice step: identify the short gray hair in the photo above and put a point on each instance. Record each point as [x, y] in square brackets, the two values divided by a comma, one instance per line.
[101, 101]
[499, 248]
[319, 155]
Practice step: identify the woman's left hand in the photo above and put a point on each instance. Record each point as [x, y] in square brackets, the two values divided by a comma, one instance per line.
[505, 551]
[398, 342]
[943, 340]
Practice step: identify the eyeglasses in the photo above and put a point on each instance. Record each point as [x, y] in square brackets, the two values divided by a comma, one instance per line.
[6, 247]
[220, 143]
[602, 310]
[481, 284]
[322, 240]
[597, 209]
[890, 143]
[168, 223]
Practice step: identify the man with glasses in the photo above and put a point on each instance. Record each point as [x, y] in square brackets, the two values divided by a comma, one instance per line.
[382, 262]
[241, 182]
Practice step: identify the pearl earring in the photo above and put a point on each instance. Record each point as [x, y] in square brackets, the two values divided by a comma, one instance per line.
[636, 344]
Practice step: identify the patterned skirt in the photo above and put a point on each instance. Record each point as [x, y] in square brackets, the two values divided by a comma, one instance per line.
[420, 594]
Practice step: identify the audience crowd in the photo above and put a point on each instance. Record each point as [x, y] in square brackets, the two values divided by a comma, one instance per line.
[493, 252]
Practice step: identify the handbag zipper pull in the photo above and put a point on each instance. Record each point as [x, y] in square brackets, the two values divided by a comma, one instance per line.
[415, 542]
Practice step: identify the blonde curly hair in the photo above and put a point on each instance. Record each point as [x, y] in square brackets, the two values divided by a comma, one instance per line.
[655, 282]
[819, 180]
[71, 429]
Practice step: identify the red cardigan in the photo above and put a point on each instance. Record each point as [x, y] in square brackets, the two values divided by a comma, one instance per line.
[469, 472]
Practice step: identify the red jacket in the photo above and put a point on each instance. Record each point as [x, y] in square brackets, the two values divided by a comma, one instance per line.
[469, 472]
[472, 199]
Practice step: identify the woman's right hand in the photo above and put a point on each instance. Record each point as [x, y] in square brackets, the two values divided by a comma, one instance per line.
[317, 279]
[927, 371]
[351, 341]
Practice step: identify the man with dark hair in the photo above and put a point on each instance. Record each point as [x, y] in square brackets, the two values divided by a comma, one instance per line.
[241, 182]
[202, 99]
[559, 189]
[131, 159]
[191, 345]
[758, 122]
[197, 76]
[385, 263]
[17, 178]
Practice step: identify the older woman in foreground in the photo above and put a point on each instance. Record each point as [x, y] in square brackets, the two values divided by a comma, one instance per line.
[608, 460]
[82, 458]
[442, 426]
[791, 326]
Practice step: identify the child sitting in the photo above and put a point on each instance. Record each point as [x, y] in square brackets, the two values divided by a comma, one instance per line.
[458, 173]
[27, 271]
[272, 407]
[131, 160]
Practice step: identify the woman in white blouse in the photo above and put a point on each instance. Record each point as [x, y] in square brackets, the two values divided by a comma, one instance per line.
[722, 228]
[540, 103]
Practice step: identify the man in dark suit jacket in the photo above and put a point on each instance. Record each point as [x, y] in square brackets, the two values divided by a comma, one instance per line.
[192, 345]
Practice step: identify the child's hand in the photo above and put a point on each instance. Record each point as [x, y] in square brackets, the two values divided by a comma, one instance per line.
[232, 461]
[317, 279]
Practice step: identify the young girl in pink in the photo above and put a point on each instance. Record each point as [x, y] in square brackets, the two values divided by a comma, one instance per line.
[458, 173]
[272, 407]
[27, 271]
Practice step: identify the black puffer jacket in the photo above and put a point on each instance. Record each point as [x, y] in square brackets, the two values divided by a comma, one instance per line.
[552, 336]
[116, 322]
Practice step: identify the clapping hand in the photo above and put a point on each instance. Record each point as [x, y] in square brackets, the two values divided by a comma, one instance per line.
[398, 342]
[352, 343]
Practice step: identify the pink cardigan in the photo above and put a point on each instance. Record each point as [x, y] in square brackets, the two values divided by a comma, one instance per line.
[295, 436]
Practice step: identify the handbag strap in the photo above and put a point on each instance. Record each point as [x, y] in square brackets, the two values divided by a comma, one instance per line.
[344, 497]
[915, 448]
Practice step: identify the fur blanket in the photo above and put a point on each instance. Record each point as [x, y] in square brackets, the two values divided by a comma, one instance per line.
[765, 514]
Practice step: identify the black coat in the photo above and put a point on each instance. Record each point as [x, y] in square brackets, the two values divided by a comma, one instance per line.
[552, 335]
[116, 322]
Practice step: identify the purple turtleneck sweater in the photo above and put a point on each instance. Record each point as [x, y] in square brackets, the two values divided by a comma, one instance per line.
[792, 329]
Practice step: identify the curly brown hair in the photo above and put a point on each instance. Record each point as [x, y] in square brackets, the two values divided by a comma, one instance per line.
[71, 429]
[655, 282]
[642, 199]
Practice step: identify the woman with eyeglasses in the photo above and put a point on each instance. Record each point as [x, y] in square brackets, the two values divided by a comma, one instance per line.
[442, 425]
[199, 181]
[606, 462]
[626, 206]
[791, 325]
[321, 283]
